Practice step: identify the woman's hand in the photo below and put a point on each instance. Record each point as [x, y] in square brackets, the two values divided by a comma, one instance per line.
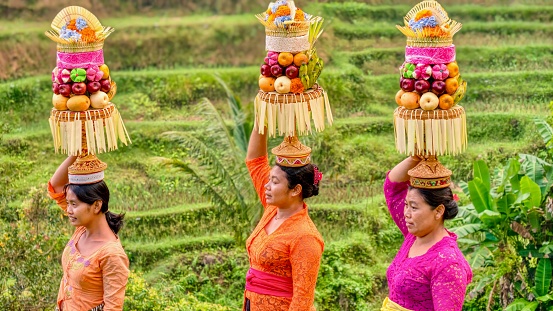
[60, 178]
[399, 172]
[257, 146]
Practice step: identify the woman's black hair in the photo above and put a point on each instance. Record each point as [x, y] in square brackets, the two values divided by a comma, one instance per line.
[97, 192]
[304, 176]
[435, 197]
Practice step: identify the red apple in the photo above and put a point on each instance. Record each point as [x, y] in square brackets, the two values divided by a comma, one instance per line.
[105, 85]
[65, 89]
[56, 88]
[78, 88]
[266, 70]
[422, 86]
[292, 72]
[267, 60]
[408, 85]
[93, 86]
[438, 87]
[276, 70]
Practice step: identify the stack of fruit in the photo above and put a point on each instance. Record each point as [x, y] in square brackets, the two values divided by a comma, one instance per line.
[286, 72]
[289, 96]
[78, 89]
[83, 120]
[430, 86]
[429, 120]
[81, 79]
[430, 75]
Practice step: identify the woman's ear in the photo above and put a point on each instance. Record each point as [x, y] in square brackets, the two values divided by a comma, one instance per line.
[439, 211]
[297, 190]
[97, 206]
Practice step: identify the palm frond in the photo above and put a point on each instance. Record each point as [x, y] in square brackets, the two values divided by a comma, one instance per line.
[212, 194]
[238, 116]
[211, 164]
[215, 126]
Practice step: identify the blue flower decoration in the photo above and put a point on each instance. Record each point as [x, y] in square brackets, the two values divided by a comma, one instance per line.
[423, 22]
[275, 5]
[432, 21]
[70, 34]
[281, 19]
[81, 23]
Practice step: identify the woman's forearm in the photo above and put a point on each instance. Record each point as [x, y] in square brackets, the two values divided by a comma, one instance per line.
[60, 178]
[257, 146]
[399, 172]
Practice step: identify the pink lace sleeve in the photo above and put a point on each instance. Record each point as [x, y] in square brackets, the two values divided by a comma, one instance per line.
[395, 193]
[448, 287]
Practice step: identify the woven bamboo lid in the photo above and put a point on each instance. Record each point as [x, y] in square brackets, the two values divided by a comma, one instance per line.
[430, 174]
[292, 153]
[87, 169]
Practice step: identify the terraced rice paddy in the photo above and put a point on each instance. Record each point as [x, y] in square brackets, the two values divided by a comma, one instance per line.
[163, 65]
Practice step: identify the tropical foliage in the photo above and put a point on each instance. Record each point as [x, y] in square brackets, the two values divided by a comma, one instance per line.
[215, 158]
[507, 230]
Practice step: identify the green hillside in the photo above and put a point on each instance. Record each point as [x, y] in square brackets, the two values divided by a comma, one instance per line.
[164, 56]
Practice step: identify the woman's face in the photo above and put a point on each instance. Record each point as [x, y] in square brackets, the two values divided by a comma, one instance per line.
[276, 189]
[79, 213]
[419, 216]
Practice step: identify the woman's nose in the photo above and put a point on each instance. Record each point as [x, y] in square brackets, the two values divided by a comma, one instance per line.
[267, 186]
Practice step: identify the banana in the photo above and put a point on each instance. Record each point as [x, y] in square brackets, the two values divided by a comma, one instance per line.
[311, 65]
[303, 70]
[460, 92]
[317, 70]
[305, 81]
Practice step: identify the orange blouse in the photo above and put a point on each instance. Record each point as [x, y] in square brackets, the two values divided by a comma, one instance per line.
[89, 281]
[293, 250]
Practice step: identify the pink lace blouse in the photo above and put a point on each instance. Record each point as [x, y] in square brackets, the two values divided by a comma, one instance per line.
[436, 280]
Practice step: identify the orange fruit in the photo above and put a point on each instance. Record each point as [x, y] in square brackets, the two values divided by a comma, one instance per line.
[410, 100]
[267, 84]
[446, 102]
[300, 59]
[398, 97]
[451, 85]
[285, 59]
[453, 69]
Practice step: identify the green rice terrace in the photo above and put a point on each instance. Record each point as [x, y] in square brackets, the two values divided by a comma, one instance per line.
[187, 253]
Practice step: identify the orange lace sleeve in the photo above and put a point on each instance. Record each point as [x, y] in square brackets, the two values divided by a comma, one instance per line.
[58, 197]
[259, 169]
[305, 258]
[115, 273]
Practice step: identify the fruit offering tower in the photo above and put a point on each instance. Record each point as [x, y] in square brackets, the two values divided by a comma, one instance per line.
[289, 98]
[83, 121]
[429, 120]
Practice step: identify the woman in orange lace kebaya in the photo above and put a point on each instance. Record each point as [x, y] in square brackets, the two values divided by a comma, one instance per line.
[95, 266]
[285, 247]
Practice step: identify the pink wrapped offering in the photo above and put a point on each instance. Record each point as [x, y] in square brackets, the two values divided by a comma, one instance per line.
[430, 55]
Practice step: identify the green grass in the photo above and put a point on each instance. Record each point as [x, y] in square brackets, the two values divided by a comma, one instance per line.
[358, 11]
[163, 63]
[386, 30]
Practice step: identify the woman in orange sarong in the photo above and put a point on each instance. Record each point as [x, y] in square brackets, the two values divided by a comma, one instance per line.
[95, 266]
[285, 247]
